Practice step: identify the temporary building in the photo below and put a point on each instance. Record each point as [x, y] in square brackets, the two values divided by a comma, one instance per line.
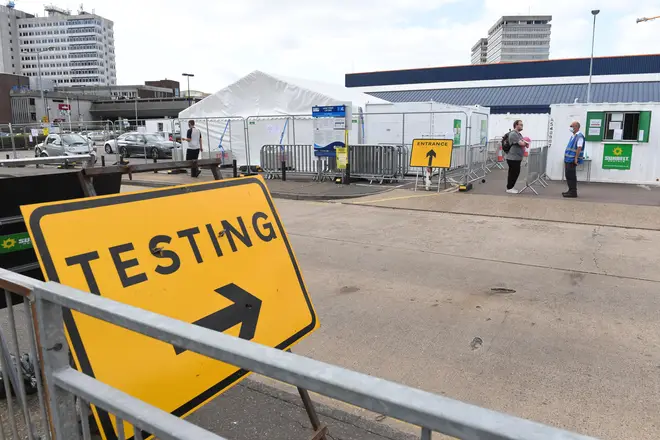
[622, 141]
[402, 122]
[259, 109]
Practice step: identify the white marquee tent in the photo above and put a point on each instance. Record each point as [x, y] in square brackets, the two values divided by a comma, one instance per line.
[267, 102]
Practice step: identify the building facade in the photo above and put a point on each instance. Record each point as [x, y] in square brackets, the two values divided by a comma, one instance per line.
[10, 51]
[8, 83]
[168, 84]
[480, 52]
[69, 49]
[519, 38]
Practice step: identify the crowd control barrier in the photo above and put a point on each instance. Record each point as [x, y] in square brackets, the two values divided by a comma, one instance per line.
[537, 162]
[376, 163]
[65, 394]
[379, 163]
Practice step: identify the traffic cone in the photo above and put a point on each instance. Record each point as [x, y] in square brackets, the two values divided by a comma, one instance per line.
[500, 156]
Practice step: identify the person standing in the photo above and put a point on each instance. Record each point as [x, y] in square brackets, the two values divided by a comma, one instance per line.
[515, 156]
[194, 139]
[573, 157]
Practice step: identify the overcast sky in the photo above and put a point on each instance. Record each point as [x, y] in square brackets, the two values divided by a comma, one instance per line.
[222, 40]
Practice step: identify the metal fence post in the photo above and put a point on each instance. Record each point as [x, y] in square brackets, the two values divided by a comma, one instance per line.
[13, 142]
[208, 138]
[55, 357]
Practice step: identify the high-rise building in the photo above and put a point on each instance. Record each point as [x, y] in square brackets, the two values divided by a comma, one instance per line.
[69, 49]
[515, 38]
[519, 38]
[10, 51]
[480, 52]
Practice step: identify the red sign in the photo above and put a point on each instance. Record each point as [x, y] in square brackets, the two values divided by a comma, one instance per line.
[64, 107]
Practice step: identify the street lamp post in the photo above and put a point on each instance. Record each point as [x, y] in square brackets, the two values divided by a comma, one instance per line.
[594, 12]
[188, 75]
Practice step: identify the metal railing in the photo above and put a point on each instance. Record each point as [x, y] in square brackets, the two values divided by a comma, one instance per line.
[537, 162]
[24, 410]
[376, 163]
[86, 159]
[380, 163]
[67, 386]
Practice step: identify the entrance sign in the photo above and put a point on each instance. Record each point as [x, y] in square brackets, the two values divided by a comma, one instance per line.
[213, 254]
[617, 156]
[431, 153]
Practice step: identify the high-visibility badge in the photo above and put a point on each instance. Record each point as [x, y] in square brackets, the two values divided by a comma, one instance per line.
[431, 153]
[213, 254]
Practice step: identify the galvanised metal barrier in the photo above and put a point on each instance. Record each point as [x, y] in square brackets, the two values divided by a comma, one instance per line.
[86, 159]
[299, 160]
[69, 392]
[21, 386]
[536, 165]
[381, 163]
[495, 158]
[477, 163]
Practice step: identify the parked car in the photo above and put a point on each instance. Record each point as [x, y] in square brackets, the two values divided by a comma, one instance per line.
[174, 137]
[69, 144]
[139, 144]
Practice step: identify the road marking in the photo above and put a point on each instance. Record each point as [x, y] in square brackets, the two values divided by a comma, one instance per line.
[415, 196]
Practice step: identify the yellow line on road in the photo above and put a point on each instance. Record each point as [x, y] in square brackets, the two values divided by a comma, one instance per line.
[416, 196]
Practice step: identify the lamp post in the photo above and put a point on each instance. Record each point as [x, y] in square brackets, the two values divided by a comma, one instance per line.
[41, 83]
[188, 75]
[594, 12]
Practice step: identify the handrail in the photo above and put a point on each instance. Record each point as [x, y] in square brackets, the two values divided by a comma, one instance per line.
[46, 160]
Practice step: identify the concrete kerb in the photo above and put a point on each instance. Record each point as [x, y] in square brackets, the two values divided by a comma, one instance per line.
[280, 194]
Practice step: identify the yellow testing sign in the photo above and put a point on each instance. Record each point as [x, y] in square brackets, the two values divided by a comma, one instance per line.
[213, 254]
[432, 153]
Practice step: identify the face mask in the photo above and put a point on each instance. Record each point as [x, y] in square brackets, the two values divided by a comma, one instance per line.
[571, 129]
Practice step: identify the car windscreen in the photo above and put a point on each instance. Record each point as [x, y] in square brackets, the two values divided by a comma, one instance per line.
[74, 139]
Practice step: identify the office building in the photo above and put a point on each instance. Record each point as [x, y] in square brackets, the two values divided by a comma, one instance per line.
[515, 38]
[168, 84]
[10, 50]
[71, 49]
[519, 38]
[480, 52]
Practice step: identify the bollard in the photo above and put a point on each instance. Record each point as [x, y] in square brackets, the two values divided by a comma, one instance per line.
[102, 161]
[347, 178]
[283, 171]
[155, 161]
[234, 165]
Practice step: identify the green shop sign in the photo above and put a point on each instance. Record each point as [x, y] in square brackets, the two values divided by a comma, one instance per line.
[15, 243]
[617, 156]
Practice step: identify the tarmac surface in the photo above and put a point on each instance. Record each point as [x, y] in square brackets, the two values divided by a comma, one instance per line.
[539, 307]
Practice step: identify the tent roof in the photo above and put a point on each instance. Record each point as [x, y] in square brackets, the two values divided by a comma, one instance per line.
[264, 94]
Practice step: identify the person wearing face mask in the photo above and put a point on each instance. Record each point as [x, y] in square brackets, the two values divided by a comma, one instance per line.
[573, 157]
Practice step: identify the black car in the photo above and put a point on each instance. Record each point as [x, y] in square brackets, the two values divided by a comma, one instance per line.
[141, 144]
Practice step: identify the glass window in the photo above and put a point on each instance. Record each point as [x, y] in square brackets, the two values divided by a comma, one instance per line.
[627, 122]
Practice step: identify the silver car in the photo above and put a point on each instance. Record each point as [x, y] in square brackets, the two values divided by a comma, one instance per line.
[68, 144]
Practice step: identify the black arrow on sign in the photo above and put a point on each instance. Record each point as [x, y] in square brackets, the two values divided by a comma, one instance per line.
[244, 311]
[431, 155]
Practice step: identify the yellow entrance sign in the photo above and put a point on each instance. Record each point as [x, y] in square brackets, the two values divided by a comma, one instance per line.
[433, 153]
[213, 254]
